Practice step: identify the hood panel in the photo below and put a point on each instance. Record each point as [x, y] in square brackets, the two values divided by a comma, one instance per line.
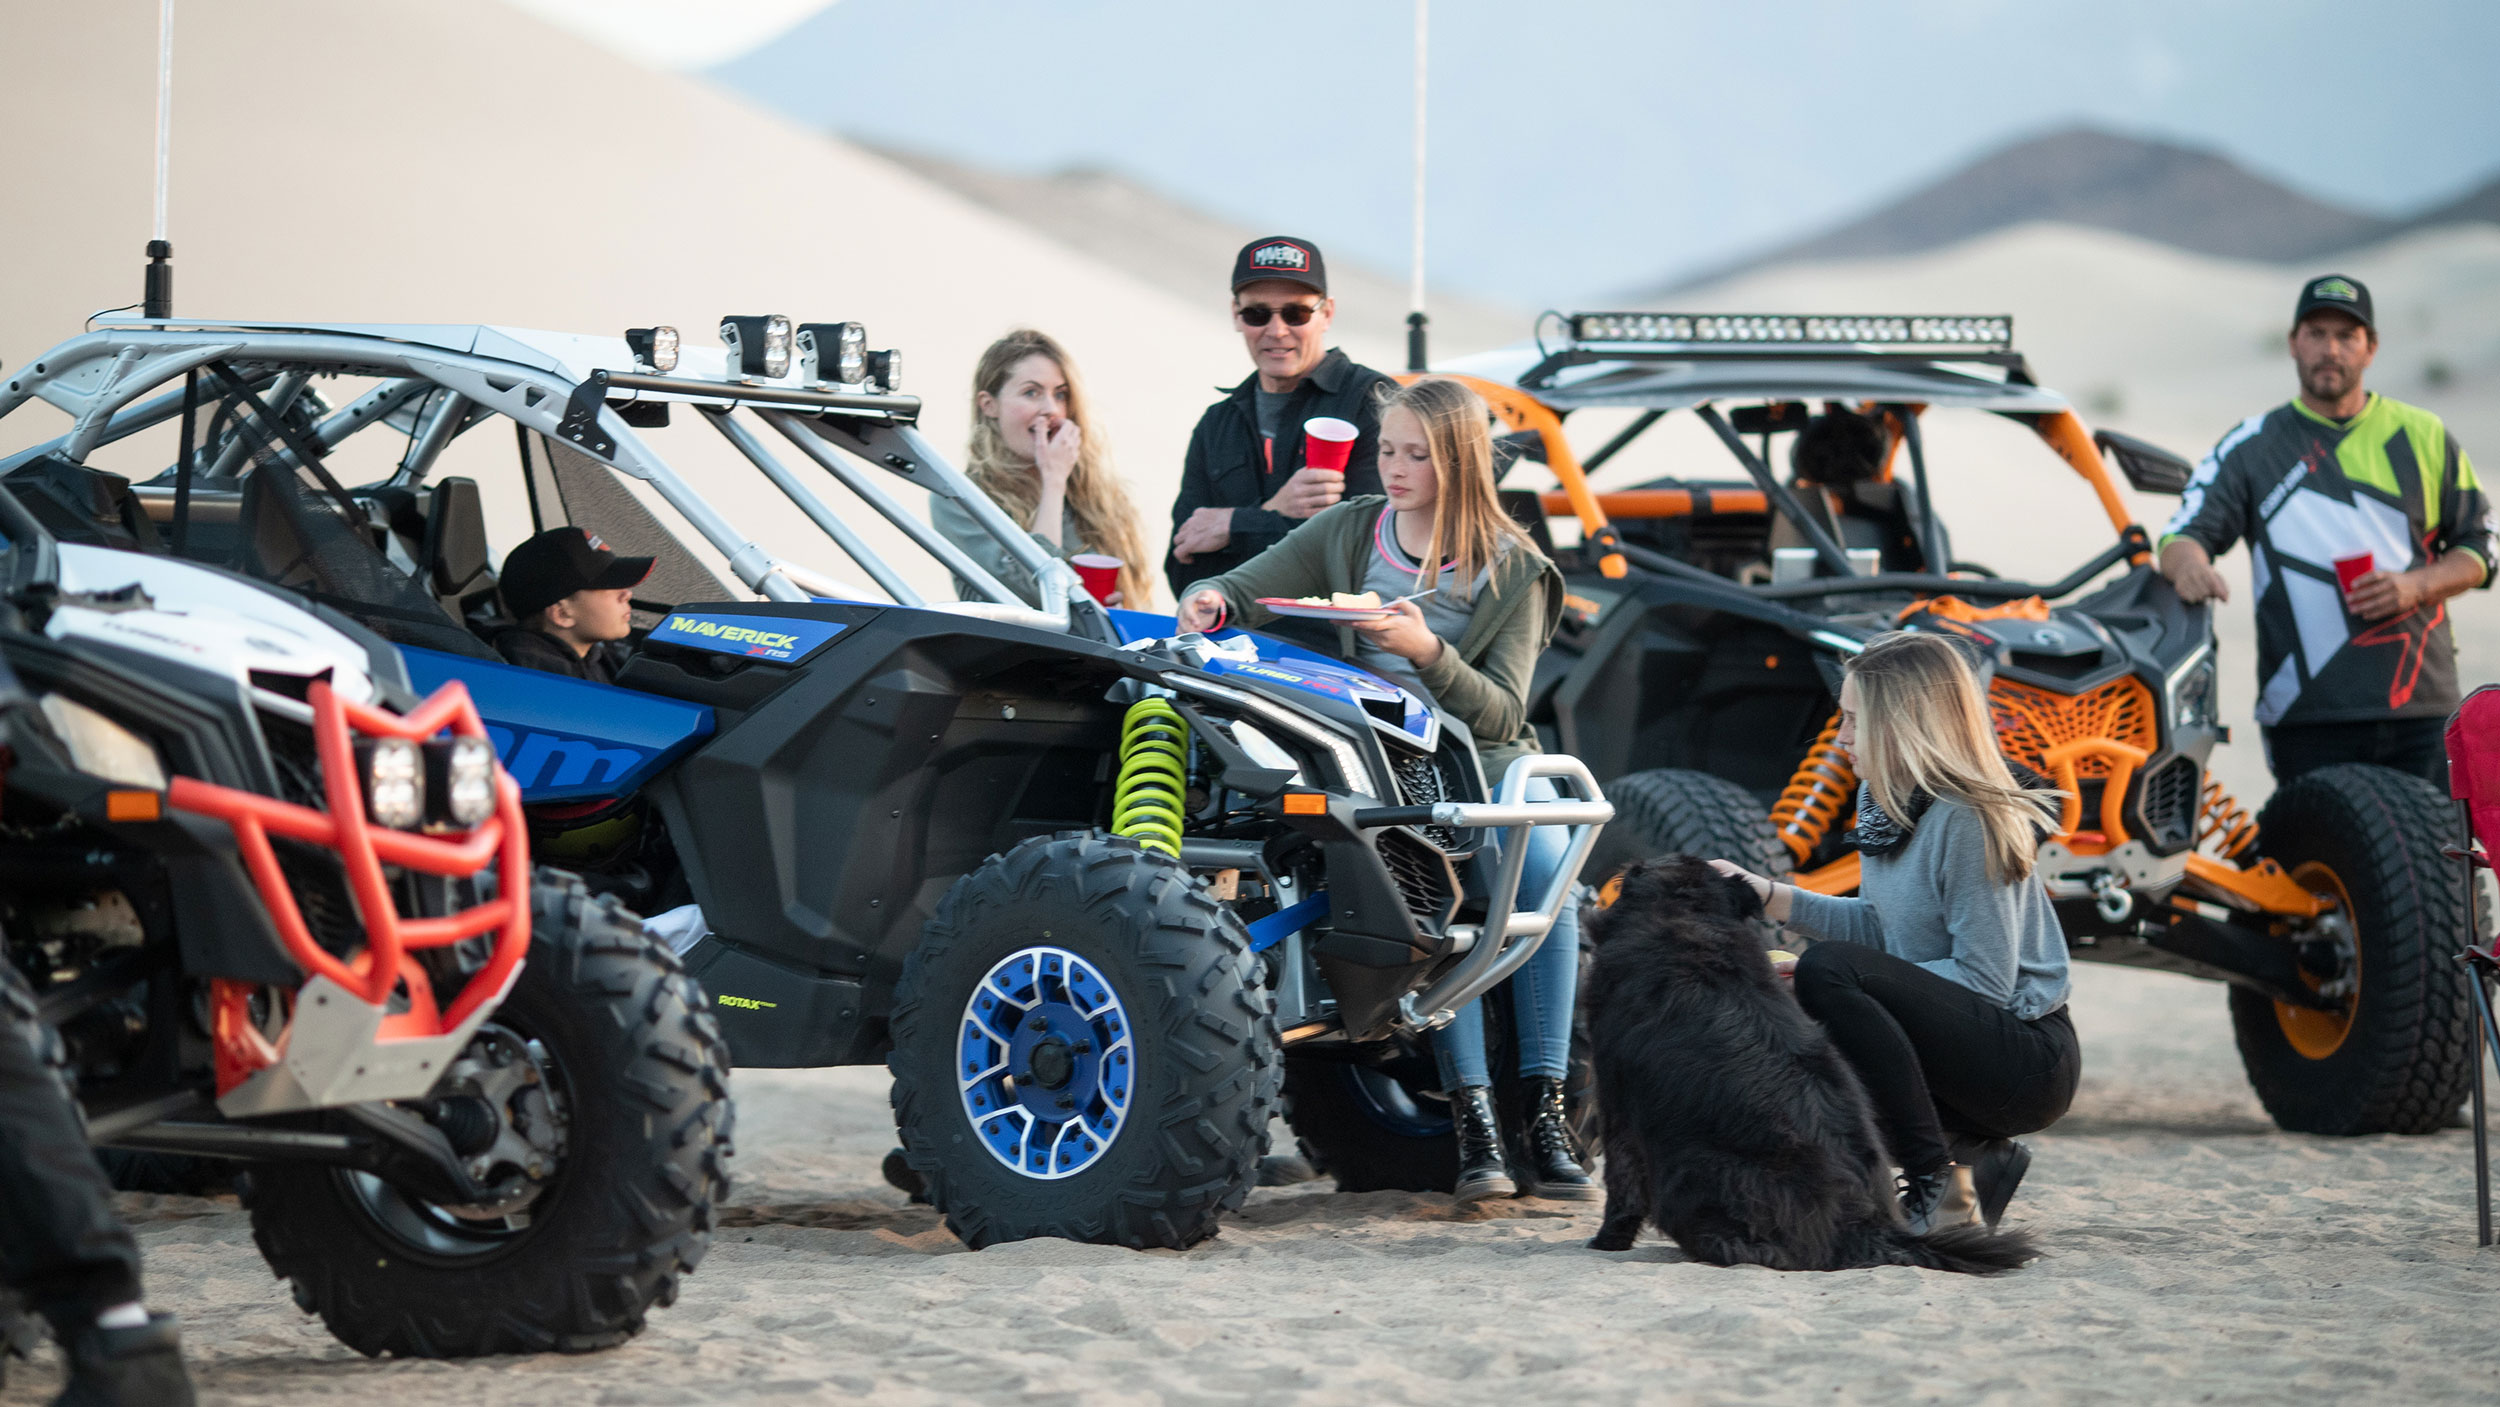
[202, 618]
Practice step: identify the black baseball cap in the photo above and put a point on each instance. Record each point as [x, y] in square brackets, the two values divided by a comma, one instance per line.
[559, 562]
[2338, 293]
[1280, 257]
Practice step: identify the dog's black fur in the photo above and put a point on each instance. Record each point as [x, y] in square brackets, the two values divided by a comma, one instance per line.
[1732, 1122]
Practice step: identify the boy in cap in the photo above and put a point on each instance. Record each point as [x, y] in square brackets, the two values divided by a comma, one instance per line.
[571, 595]
[1243, 486]
[2362, 516]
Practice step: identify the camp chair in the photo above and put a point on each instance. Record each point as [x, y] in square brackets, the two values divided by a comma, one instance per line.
[2474, 780]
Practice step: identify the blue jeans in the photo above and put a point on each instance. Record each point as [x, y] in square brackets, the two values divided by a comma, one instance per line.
[1542, 991]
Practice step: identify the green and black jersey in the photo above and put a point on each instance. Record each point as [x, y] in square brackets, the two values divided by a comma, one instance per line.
[2306, 492]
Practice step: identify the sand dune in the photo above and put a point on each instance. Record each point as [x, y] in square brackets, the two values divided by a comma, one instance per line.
[2194, 1254]
[462, 162]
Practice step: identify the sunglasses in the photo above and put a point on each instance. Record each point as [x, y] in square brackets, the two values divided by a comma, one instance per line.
[1294, 314]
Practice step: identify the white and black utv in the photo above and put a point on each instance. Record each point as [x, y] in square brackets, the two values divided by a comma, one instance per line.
[270, 907]
[1079, 881]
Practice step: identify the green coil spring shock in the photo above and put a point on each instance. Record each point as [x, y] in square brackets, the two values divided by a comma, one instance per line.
[1152, 795]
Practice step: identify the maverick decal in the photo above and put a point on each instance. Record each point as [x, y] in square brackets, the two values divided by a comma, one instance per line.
[782, 639]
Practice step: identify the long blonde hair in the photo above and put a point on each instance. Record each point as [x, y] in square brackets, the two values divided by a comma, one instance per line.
[1106, 521]
[1922, 728]
[1468, 524]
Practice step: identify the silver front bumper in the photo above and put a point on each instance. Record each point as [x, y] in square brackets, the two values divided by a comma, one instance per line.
[1497, 949]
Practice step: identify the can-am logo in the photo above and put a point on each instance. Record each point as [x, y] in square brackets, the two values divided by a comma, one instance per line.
[1282, 256]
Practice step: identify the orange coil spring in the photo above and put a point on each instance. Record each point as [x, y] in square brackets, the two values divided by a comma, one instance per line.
[1805, 811]
[2225, 828]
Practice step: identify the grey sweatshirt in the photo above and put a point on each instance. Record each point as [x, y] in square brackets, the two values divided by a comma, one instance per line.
[1930, 902]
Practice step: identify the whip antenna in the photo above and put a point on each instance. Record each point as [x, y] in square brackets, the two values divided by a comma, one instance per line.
[158, 299]
[1415, 318]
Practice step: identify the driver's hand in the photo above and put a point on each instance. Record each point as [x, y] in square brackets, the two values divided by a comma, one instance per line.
[1307, 492]
[1202, 610]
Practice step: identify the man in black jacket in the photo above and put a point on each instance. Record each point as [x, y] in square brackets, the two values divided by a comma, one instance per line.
[1244, 485]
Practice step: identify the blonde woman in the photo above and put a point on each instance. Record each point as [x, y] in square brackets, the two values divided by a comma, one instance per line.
[1471, 645]
[1945, 981]
[1033, 454]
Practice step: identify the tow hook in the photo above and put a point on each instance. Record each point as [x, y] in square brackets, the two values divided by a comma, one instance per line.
[2111, 897]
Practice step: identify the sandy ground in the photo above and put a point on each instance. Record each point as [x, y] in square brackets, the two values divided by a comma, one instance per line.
[2195, 1254]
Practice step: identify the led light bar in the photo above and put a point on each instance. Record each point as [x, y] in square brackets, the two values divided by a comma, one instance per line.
[1783, 329]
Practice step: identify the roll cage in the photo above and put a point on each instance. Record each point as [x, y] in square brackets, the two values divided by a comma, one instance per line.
[586, 394]
[1895, 367]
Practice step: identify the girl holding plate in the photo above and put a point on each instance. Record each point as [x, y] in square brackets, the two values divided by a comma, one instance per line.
[1471, 645]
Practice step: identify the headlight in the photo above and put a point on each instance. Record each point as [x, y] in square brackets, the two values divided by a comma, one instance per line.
[833, 353]
[1350, 764]
[1264, 751]
[654, 347]
[394, 771]
[2192, 703]
[460, 777]
[758, 346]
[886, 369]
[101, 747]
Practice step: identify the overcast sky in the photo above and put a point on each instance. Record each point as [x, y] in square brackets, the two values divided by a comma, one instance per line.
[1586, 146]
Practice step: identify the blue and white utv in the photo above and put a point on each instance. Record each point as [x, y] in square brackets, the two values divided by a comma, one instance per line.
[1085, 885]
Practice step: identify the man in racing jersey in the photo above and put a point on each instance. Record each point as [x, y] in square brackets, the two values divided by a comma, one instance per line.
[2362, 517]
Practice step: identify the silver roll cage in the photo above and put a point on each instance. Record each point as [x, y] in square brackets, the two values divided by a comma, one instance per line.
[570, 389]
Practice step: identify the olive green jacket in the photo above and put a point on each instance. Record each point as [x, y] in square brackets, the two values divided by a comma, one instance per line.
[1482, 679]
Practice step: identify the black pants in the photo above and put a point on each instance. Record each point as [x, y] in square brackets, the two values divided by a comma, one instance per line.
[2415, 745]
[1939, 1060]
[60, 1244]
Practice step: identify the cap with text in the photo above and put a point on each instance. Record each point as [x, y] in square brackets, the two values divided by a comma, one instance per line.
[1280, 257]
[559, 562]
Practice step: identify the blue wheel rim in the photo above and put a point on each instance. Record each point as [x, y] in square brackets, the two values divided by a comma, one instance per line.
[1045, 1063]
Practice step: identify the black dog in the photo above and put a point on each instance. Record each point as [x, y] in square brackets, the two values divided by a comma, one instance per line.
[1732, 1122]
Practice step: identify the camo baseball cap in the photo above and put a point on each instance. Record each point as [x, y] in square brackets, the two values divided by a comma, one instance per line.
[1280, 257]
[2337, 292]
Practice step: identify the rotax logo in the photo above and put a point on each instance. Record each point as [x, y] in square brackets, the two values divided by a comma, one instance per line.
[782, 639]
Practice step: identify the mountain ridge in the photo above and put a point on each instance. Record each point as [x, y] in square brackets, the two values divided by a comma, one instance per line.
[2187, 197]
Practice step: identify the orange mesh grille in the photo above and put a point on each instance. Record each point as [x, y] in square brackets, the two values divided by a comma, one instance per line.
[2030, 721]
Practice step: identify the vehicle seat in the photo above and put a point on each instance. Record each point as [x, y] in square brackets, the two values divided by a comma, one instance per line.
[454, 554]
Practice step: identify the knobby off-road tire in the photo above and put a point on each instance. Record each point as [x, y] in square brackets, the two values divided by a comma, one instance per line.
[1372, 1128]
[1671, 811]
[626, 1042]
[1134, 960]
[2401, 1060]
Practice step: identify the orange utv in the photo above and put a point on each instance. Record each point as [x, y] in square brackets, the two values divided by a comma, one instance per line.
[1706, 620]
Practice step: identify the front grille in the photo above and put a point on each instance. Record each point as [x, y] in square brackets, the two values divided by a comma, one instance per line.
[2030, 721]
[1420, 783]
[1422, 875]
[2168, 804]
[313, 873]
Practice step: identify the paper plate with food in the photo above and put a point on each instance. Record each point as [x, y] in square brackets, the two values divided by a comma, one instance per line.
[1337, 605]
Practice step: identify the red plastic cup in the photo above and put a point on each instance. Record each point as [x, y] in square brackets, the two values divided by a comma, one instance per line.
[1327, 443]
[2351, 569]
[1100, 574]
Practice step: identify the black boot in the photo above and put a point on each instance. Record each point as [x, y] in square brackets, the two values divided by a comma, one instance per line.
[140, 1366]
[1997, 1166]
[1552, 1170]
[1483, 1171]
